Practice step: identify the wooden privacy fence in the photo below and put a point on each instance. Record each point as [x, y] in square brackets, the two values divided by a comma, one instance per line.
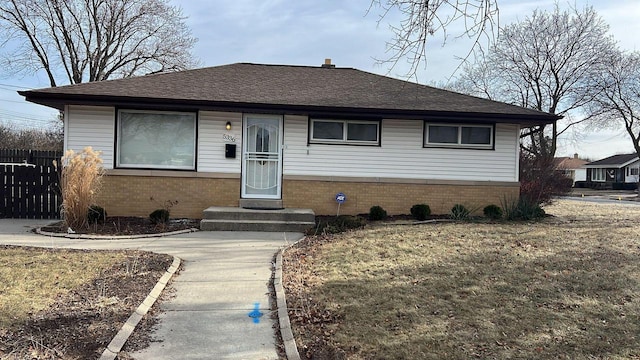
[36, 157]
[29, 190]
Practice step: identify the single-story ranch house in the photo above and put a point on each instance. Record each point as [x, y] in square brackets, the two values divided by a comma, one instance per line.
[620, 171]
[572, 167]
[271, 136]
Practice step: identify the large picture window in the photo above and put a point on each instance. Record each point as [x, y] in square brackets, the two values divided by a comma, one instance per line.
[454, 135]
[357, 132]
[597, 174]
[156, 139]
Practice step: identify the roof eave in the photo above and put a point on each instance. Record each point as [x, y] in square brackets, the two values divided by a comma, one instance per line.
[606, 166]
[617, 166]
[630, 162]
[58, 101]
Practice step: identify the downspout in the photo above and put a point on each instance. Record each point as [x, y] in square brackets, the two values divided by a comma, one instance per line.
[65, 120]
[516, 176]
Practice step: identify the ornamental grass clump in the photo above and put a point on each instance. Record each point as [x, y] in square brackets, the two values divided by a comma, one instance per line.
[80, 182]
[459, 212]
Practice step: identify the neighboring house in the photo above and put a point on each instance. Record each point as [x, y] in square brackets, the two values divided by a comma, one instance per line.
[617, 172]
[572, 167]
[273, 136]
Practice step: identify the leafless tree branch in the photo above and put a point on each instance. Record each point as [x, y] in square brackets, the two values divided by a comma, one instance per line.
[544, 62]
[618, 101]
[93, 40]
[424, 19]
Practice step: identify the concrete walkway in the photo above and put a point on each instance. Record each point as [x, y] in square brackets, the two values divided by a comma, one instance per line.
[221, 309]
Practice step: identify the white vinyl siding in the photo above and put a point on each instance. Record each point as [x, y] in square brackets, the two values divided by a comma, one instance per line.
[632, 172]
[91, 126]
[212, 137]
[95, 126]
[401, 155]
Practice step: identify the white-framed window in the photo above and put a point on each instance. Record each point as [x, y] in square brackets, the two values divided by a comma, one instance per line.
[458, 135]
[156, 139]
[631, 171]
[356, 132]
[598, 174]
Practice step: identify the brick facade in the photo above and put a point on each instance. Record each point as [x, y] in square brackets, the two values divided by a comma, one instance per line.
[131, 195]
[395, 198]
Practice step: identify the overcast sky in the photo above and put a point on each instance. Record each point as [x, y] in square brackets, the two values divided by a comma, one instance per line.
[305, 32]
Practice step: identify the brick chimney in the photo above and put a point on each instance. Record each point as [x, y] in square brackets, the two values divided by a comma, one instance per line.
[575, 156]
[327, 64]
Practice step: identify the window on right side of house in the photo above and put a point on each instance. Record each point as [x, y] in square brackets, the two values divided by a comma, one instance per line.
[458, 136]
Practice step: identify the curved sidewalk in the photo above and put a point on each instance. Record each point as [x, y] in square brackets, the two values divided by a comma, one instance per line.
[222, 307]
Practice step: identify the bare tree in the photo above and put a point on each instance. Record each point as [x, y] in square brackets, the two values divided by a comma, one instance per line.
[618, 99]
[93, 40]
[544, 62]
[423, 19]
[12, 137]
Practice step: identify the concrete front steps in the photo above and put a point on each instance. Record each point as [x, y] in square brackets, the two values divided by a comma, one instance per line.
[241, 219]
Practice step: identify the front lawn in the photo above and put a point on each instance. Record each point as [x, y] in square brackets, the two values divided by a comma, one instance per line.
[566, 287]
[69, 304]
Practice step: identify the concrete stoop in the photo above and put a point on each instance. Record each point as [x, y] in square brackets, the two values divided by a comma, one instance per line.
[241, 219]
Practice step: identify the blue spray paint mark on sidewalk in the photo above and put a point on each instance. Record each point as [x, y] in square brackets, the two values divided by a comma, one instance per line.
[256, 314]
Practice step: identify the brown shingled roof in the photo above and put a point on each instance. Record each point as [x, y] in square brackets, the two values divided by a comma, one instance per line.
[282, 87]
[569, 163]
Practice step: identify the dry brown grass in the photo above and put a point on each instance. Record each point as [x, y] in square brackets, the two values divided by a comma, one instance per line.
[32, 278]
[563, 288]
[69, 304]
[80, 183]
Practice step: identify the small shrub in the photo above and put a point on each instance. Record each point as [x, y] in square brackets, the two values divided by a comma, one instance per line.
[160, 216]
[540, 180]
[96, 215]
[459, 212]
[420, 212]
[338, 224]
[538, 212]
[377, 213]
[493, 212]
[167, 204]
[522, 209]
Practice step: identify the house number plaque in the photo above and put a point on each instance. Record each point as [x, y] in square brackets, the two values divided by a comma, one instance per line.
[229, 137]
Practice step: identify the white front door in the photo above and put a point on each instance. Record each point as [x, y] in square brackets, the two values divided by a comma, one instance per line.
[262, 156]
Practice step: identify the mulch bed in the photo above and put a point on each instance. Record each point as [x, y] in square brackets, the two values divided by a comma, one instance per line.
[81, 323]
[313, 322]
[128, 225]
